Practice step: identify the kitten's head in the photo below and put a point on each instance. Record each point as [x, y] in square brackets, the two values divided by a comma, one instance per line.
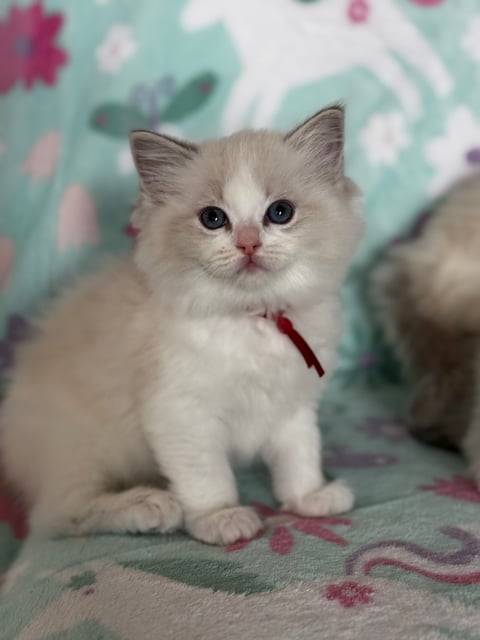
[258, 220]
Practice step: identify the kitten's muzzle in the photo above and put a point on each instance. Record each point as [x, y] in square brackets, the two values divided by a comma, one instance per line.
[251, 264]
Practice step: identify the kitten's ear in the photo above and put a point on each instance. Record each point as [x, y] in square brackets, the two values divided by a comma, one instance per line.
[158, 159]
[321, 139]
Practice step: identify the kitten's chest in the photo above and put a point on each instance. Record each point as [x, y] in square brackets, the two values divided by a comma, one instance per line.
[254, 367]
[258, 376]
[239, 347]
[242, 377]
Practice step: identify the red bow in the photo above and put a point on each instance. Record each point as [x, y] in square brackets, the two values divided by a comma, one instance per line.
[286, 326]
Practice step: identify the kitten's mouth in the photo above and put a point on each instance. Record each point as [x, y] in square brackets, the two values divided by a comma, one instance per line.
[251, 265]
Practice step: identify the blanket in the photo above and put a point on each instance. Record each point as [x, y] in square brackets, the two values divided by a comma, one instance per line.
[404, 564]
[74, 79]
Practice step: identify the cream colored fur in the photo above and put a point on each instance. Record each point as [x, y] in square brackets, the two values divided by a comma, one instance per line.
[428, 291]
[446, 260]
[148, 380]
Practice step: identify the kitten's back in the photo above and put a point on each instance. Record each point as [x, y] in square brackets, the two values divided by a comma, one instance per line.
[99, 321]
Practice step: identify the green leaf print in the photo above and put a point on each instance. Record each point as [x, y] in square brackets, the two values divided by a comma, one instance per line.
[117, 120]
[190, 97]
[208, 574]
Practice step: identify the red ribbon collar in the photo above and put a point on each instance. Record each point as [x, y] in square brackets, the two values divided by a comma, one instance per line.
[285, 326]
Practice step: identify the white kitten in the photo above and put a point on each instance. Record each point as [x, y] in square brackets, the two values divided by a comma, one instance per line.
[164, 364]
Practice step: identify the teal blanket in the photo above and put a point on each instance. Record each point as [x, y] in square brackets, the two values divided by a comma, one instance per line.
[74, 79]
[404, 564]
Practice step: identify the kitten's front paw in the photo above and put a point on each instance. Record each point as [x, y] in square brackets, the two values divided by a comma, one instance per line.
[153, 511]
[224, 526]
[332, 498]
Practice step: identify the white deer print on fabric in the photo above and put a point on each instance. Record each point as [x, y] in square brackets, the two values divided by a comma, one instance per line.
[283, 44]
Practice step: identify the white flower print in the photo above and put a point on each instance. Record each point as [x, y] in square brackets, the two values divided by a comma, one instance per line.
[169, 130]
[125, 164]
[457, 152]
[471, 40]
[117, 47]
[383, 137]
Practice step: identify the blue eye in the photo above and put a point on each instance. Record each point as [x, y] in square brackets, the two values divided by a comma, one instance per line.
[280, 212]
[213, 218]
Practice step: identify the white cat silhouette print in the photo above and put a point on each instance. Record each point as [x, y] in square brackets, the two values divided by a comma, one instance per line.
[283, 44]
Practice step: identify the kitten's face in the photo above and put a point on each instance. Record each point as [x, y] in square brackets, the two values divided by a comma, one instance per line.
[250, 219]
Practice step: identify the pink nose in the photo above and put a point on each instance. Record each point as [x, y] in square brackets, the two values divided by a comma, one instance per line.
[248, 240]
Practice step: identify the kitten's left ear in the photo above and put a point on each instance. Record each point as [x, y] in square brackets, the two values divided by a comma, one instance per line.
[158, 159]
[320, 139]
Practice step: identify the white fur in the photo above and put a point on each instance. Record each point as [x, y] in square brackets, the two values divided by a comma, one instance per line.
[160, 366]
[243, 195]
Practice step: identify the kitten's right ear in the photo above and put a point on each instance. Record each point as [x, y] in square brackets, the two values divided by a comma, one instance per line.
[158, 159]
[321, 140]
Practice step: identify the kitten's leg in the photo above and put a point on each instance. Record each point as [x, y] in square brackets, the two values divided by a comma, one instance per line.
[201, 478]
[293, 456]
[80, 512]
[205, 487]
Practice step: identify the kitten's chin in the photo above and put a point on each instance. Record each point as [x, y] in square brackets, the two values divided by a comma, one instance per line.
[246, 273]
[249, 279]
[252, 280]
[241, 293]
[251, 266]
[255, 276]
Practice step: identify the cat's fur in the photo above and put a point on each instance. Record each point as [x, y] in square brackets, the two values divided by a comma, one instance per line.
[162, 366]
[427, 290]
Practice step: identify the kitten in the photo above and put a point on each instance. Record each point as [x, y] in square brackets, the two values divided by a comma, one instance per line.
[427, 290]
[149, 379]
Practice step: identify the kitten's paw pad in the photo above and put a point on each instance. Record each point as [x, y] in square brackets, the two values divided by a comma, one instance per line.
[335, 497]
[225, 526]
[154, 511]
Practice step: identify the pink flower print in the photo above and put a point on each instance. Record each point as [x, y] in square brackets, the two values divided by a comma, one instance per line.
[358, 10]
[316, 527]
[43, 157]
[27, 47]
[77, 220]
[241, 544]
[281, 540]
[457, 487]
[350, 593]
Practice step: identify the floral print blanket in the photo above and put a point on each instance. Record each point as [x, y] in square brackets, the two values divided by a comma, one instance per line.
[404, 564]
[74, 79]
